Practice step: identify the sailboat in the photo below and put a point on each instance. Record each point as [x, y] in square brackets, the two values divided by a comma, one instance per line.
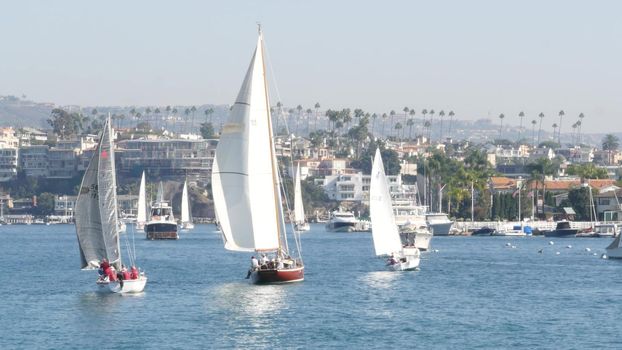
[186, 221]
[141, 214]
[384, 230]
[161, 224]
[300, 223]
[246, 184]
[96, 218]
[614, 250]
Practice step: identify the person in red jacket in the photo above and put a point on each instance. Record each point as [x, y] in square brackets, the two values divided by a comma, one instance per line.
[126, 273]
[134, 273]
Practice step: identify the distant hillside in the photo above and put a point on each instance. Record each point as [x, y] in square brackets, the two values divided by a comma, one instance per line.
[21, 112]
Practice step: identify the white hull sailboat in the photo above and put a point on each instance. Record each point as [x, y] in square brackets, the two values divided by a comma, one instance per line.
[246, 184]
[384, 230]
[300, 222]
[97, 222]
[186, 221]
[141, 212]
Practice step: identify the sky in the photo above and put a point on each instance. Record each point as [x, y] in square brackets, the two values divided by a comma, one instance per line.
[477, 58]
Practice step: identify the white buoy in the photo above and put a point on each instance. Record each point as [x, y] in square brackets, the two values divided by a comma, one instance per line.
[557, 253]
[436, 250]
[551, 242]
[569, 246]
[594, 254]
[588, 250]
[604, 256]
[508, 244]
[513, 247]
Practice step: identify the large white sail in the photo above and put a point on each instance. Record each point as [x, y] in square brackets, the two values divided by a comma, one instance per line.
[185, 204]
[244, 181]
[141, 215]
[299, 210]
[96, 207]
[384, 231]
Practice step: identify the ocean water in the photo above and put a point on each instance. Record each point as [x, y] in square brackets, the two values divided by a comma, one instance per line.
[473, 293]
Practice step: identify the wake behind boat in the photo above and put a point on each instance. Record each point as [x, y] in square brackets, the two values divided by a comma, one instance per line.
[384, 230]
[246, 184]
[97, 222]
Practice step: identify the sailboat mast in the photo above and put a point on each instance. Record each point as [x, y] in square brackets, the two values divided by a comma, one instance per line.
[275, 181]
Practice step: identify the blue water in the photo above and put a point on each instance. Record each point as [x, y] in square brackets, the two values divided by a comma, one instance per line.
[474, 293]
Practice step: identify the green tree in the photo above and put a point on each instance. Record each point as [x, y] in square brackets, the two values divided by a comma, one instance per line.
[610, 144]
[207, 130]
[45, 204]
[65, 123]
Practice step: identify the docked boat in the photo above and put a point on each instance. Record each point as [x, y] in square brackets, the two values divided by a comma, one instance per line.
[161, 223]
[483, 231]
[246, 183]
[97, 221]
[141, 211]
[416, 235]
[342, 221]
[515, 230]
[186, 219]
[385, 234]
[300, 222]
[606, 230]
[439, 223]
[562, 230]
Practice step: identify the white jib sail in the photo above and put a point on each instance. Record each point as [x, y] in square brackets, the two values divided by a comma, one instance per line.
[141, 215]
[385, 234]
[299, 210]
[185, 204]
[243, 178]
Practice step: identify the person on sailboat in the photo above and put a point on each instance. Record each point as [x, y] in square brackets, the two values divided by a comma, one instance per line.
[392, 260]
[134, 273]
[126, 273]
[254, 266]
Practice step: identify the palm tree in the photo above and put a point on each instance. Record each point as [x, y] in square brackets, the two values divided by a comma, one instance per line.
[533, 133]
[398, 127]
[193, 109]
[373, 122]
[279, 106]
[451, 121]
[299, 109]
[208, 114]
[308, 113]
[186, 113]
[521, 115]
[541, 115]
[406, 110]
[574, 133]
[156, 111]
[581, 116]
[441, 114]
[559, 132]
[610, 144]
[317, 109]
[410, 122]
[384, 119]
[392, 114]
[554, 130]
[430, 128]
[501, 116]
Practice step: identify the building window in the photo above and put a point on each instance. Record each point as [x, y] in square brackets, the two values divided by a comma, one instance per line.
[603, 201]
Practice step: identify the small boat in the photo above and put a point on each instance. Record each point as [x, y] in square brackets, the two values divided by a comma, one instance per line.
[515, 231]
[562, 230]
[416, 235]
[186, 220]
[161, 224]
[384, 230]
[439, 223]
[246, 183]
[342, 221]
[96, 217]
[141, 211]
[300, 222]
[483, 231]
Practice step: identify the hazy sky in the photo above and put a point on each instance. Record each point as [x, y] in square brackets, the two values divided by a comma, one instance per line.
[479, 58]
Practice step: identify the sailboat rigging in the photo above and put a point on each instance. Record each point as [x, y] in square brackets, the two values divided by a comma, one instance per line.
[246, 184]
[97, 222]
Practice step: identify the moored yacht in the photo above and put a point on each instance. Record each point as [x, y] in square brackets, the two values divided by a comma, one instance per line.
[342, 221]
[161, 224]
[562, 230]
[438, 223]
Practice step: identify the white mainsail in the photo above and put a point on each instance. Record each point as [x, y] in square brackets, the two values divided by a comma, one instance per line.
[96, 218]
[384, 231]
[299, 210]
[141, 215]
[185, 204]
[245, 184]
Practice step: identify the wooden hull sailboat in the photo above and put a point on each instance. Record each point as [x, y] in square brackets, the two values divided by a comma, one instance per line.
[385, 233]
[246, 183]
[97, 222]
